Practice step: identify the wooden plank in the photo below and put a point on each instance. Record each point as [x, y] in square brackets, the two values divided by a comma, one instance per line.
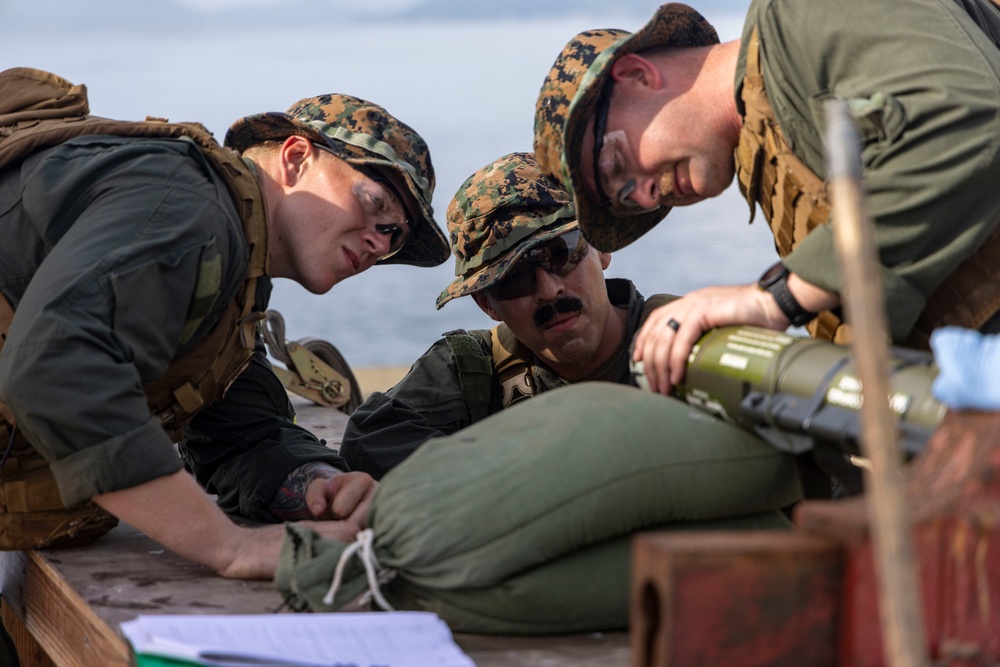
[30, 654]
[71, 634]
[599, 649]
[73, 600]
[88, 591]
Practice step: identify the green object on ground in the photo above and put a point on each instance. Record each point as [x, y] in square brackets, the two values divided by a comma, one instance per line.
[521, 522]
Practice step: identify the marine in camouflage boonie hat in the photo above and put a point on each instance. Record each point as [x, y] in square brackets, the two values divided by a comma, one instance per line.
[501, 212]
[366, 135]
[567, 101]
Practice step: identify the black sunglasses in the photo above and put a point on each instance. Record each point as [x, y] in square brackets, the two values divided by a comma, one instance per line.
[559, 257]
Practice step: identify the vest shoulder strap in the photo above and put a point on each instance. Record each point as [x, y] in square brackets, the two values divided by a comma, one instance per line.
[512, 361]
[475, 369]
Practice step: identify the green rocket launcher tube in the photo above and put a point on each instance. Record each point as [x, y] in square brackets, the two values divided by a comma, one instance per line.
[798, 393]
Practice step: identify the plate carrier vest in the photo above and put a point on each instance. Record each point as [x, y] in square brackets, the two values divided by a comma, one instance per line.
[39, 110]
[794, 200]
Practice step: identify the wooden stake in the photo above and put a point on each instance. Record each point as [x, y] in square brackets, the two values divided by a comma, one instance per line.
[900, 608]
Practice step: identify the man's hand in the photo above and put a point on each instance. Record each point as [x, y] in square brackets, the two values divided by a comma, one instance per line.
[344, 497]
[320, 491]
[668, 334]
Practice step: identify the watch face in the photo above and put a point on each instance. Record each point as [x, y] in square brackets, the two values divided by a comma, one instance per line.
[775, 273]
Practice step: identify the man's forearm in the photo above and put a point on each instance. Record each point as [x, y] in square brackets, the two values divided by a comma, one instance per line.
[812, 298]
[177, 513]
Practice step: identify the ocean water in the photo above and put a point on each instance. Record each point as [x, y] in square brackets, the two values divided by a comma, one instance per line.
[468, 87]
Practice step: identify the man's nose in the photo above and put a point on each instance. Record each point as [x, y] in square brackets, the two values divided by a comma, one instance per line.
[646, 193]
[548, 286]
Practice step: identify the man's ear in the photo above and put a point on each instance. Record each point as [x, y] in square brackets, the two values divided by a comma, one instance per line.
[605, 260]
[483, 301]
[294, 155]
[633, 69]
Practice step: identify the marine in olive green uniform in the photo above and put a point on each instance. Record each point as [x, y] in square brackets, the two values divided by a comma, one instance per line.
[921, 79]
[508, 222]
[122, 253]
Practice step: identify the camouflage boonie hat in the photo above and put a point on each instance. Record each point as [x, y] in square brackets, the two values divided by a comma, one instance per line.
[567, 102]
[363, 134]
[500, 212]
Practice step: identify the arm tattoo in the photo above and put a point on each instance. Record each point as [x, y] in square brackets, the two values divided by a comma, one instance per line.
[289, 503]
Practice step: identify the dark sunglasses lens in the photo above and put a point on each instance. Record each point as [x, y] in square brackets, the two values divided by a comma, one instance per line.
[559, 256]
[562, 254]
[520, 281]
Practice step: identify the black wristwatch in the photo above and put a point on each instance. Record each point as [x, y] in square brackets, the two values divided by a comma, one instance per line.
[775, 281]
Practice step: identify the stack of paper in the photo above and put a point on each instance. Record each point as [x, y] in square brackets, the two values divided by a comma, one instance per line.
[367, 639]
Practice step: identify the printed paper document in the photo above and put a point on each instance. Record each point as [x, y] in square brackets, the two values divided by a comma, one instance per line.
[366, 639]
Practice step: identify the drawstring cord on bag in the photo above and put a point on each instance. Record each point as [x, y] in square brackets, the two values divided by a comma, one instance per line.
[364, 549]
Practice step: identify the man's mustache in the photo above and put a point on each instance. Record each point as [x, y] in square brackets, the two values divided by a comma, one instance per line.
[566, 304]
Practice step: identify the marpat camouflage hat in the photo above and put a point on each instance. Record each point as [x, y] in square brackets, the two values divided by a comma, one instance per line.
[500, 212]
[364, 134]
[567, 102]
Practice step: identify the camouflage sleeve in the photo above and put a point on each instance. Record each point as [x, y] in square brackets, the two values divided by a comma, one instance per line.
[243, 447]
[388, 427]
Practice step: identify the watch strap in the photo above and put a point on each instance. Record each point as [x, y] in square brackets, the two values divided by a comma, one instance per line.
[775, 281]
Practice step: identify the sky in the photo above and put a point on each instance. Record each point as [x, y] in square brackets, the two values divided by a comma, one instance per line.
[467, 84]
[18, 15]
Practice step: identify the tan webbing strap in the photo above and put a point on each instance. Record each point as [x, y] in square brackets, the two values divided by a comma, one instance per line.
[206, 372]
[512, 362]
[32, 494]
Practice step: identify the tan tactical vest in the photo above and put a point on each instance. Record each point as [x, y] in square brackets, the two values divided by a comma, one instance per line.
[795, 201]
[39, 110]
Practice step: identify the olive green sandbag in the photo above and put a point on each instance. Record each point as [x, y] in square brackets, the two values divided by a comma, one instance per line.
[536, 485]
[585, 591]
